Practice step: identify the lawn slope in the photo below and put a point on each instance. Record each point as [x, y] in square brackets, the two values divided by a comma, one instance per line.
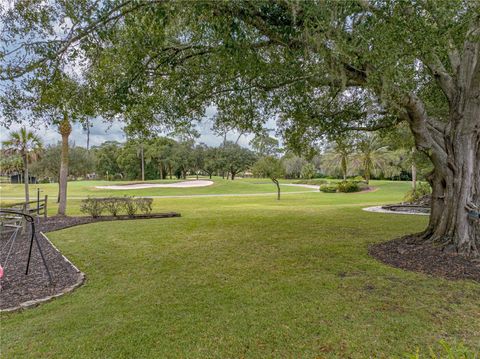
[246, 277]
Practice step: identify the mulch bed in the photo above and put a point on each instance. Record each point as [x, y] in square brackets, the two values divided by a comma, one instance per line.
[426, 258]
[16, 288]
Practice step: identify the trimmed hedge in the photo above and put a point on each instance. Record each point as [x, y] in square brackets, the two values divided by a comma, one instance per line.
[348, 186]
[328, 188]
[116, 205]
[345, 187]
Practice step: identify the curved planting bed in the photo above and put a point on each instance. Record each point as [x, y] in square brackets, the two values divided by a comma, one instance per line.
[18, 290]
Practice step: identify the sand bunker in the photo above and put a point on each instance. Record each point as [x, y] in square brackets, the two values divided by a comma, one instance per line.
[186, 184]
[312, 186]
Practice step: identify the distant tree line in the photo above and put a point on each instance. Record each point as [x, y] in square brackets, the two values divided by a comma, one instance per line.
[366, 155]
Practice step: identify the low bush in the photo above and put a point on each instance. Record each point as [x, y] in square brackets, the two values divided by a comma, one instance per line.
[92, 206]
[423, 189]
[328, 188]
[348, 186]
[131, 206]
[116, 205]
[113, 205]
[144, 205]
[357, 179]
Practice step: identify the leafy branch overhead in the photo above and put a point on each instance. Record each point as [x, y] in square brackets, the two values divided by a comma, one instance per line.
[320, 69]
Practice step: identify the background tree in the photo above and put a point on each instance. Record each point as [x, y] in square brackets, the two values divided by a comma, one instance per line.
[182, 159]
[338, 154]
[211, 162]
[28, 146]
[308, 171]
[401, 140]
[81, 162]
[269, 167]
[11, 164]
[237, 158]
[198, 158]
[106, 156]
[264, 145]
[293, 165]
[370, 156]
[159, 150]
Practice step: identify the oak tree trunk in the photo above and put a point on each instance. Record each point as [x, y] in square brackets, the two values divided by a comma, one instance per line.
[455, 183]
[65, 129]
[414, 172]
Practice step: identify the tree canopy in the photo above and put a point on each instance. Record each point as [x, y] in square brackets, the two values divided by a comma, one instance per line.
[320, 68]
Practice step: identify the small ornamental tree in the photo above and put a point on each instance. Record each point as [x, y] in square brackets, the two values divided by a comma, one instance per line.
[270, 167]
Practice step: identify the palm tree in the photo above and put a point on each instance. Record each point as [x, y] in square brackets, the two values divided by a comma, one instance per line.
[371, 156]
[26, 144]
[337, 157]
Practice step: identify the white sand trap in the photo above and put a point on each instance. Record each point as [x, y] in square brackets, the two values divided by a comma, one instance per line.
[312, 186]
[186, 184]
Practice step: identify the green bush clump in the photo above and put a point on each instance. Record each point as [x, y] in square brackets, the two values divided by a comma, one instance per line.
[358, 179]
[348, 186]
[423, 189]
[115, 205]
[144, 205]
[92, 206]
[328, 188]
[131, 206]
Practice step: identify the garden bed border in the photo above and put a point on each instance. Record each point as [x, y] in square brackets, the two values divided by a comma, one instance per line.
[34, 302]
[81, 276]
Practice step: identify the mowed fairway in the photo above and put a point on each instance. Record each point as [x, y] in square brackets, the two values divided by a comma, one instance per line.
[246, 277]
[82, 189]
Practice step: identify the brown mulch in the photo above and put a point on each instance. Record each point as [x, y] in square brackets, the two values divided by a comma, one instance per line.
[427, 258]
[16, 287]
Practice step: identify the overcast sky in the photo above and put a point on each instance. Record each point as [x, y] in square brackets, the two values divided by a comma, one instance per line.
[101, 132]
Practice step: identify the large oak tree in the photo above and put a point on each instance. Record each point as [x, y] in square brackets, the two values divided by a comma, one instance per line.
[323, 67]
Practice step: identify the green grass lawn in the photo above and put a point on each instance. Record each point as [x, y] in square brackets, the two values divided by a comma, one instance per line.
[87, 188]
[246, 277]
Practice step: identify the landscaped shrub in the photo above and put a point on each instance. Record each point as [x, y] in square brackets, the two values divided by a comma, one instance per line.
[348, 186]
[357, 179]
[92, 206]
[131, 206]
[328, 188]
[113, 205]
[423, 189]
[144, 205]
